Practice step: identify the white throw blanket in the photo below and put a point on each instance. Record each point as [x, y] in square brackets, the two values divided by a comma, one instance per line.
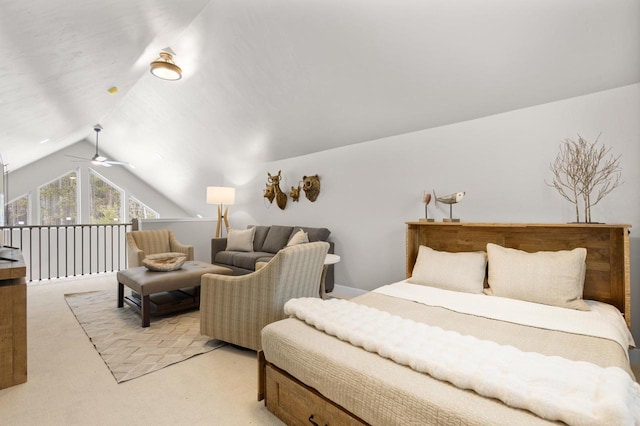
[551, 387]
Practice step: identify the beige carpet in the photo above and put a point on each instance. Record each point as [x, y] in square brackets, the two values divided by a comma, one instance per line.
[130, 350]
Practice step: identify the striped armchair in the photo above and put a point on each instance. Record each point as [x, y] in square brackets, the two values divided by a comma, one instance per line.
[236, 308]
[143, 243]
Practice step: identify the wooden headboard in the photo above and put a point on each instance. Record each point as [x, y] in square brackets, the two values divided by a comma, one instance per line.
[607, 278]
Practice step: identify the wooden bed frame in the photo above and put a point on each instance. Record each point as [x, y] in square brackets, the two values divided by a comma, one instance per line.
[608, 272]
[607, 280]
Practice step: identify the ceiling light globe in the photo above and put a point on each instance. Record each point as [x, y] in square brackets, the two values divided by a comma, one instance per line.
[166, 71]
[164, 68]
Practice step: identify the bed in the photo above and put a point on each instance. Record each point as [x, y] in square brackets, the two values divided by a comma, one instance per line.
[309, 376]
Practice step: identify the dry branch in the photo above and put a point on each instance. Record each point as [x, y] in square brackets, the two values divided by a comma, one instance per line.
[582, 168]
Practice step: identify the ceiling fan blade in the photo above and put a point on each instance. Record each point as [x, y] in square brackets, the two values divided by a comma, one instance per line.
[75, 156]
[97, 159]
[117, 163]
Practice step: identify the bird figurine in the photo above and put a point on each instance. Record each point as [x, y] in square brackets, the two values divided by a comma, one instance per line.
[426, 199]
[450, 199]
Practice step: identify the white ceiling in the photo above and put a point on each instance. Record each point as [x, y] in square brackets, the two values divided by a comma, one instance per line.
[267, 80]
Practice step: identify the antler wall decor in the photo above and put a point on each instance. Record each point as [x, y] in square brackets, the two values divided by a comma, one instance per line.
[309, 184]
[268, 193]
[273, 190]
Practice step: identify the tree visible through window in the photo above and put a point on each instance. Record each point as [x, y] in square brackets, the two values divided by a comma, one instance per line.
[59, 201]
[18, 211]
[138, 210]
[105, 200]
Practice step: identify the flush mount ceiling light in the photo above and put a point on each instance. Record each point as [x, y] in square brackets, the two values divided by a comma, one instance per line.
[164, 67]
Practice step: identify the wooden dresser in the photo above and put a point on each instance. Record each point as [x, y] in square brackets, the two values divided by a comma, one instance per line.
[13, 319]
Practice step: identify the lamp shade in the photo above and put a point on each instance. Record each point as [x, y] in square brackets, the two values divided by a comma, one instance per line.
[221, 195]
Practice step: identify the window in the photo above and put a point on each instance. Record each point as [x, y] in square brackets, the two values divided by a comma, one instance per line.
[138, 210]
[105, 200]
[18, 211]
[59, 201]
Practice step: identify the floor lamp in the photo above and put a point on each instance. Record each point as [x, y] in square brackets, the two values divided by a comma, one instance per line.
[221, 195]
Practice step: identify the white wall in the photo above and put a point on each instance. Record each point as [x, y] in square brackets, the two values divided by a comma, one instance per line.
[370, 190]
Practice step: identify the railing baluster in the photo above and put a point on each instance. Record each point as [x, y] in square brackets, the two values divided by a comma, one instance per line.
[66, 251]
[40, 254]
[82, 252]
[45, 242]
[30, 252]
[90, 247]
[75, 251]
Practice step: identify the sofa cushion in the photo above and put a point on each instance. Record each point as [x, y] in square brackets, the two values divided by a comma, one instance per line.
[298, 237]
[259, 236]
[225, 257]
[265, 258]
[277, 238]
[240, 240]
[315, 234]
[248, 260]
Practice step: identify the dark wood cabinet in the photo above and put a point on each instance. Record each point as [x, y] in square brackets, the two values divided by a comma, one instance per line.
[13, 320]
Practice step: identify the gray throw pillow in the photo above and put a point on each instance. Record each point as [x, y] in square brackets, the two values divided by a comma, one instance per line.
[259, 237]
[277, 238]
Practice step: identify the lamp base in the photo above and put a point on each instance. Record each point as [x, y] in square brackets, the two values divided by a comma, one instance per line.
[222, 217]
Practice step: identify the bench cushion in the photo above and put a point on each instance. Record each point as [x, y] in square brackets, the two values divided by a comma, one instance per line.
[145, 282]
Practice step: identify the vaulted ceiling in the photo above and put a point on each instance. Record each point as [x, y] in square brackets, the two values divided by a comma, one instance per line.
[267, 80]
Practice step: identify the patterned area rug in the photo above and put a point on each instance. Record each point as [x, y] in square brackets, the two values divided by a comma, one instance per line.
[129, 350]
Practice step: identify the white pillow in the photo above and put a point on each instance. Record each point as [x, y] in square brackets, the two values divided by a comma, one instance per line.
[553, 278]
[241, 240]
[463, 271]
[299, 237]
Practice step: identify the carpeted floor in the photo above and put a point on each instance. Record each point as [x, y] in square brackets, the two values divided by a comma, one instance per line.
[129, 350]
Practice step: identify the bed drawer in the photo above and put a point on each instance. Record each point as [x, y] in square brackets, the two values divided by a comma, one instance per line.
[297, 404]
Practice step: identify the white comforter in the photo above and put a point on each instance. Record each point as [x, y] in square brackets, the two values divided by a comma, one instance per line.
[553, 388]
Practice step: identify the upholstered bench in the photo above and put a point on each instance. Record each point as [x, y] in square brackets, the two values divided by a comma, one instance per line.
[159, 293]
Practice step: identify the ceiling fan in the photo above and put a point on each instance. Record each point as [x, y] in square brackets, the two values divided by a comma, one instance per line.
[98, 159]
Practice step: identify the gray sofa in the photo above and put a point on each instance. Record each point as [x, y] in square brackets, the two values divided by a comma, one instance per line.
[267, 241]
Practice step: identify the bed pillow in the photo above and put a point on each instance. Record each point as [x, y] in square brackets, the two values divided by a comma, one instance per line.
[553, 278]
[240, 240]
[463, 271]
[299, 237]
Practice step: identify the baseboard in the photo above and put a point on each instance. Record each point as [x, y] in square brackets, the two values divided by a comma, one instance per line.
[344, 292]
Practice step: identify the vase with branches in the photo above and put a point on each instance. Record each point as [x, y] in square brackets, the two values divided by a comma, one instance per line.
[584, 172]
